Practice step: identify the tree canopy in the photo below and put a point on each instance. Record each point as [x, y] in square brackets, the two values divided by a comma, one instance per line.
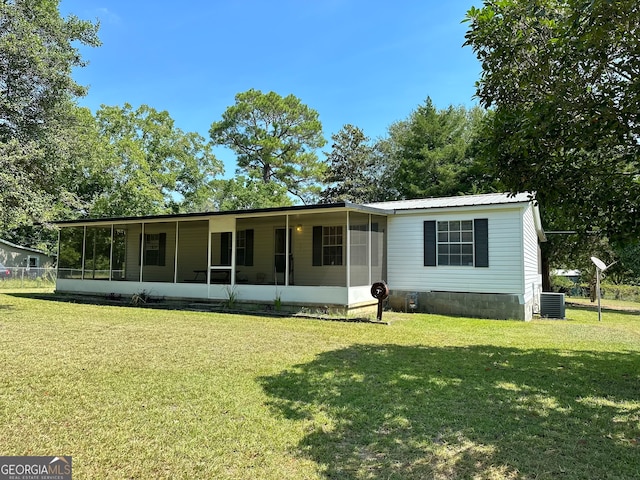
[242, 193]
[430, 152]
[38, 50]
[563, 79]
[275, 139]
[151, 165]
[355, 169]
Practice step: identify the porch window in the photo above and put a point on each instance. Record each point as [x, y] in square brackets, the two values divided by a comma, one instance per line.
[327, 245]
[155, 249]
[456, 243]
[244, 248]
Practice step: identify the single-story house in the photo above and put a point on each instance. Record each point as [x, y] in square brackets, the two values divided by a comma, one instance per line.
[474, 255]
[12, 255]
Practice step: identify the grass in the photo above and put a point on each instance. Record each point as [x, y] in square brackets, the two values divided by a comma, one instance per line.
[139, 393]
[19, 282]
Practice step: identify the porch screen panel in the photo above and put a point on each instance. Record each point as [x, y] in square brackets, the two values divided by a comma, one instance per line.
[192, 251]
[70, 256]
[378, 248]
[126, 252]
[359, 249]
[158, 250]
[221, 256]
[254, 250]
[97, 252]
[320, 250]
[119, 256]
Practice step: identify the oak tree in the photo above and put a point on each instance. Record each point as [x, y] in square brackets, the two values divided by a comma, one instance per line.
[563, 80]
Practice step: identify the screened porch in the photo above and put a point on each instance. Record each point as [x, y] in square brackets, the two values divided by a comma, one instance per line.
[205, 257]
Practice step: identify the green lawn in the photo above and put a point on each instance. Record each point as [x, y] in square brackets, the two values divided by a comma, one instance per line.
[139, 393]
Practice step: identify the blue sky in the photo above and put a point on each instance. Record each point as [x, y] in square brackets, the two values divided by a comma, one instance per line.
[368, 63]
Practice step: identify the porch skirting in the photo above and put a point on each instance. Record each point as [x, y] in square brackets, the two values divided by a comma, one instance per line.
[330, 297]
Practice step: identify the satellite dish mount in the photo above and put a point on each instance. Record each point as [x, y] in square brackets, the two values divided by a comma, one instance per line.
[600, 267]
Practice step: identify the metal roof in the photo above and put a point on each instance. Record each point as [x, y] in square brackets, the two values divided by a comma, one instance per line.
[21, 247]
[379, 208]
[459, 201]
[344, 206]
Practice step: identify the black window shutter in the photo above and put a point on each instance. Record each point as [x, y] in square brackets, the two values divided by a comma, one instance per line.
[481, 243]
[317, 246]
[162, 249]
[248, 253]
[430, 243]
[140, 250]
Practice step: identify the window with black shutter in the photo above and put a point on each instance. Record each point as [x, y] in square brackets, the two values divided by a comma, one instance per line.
[456, 243]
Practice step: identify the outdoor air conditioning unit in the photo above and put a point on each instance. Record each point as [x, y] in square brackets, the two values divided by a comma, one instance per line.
[552, 305]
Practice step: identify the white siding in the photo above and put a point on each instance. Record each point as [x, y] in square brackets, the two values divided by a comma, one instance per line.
[16, 257]
[532, 274]
[406, 270]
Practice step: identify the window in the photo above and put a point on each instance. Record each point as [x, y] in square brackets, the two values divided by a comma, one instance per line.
[456, 243]
[244, 248]
[327, 246]
[154, 248]
[332, 246]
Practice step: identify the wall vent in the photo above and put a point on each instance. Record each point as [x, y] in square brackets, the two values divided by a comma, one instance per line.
[552, 305]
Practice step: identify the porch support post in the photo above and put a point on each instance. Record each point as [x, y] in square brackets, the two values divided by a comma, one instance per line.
[111, 253]
[141, 252]
[348, 256]
[175, 258]
[58, 257]
[286, 250]
[208, 255]
[84, 249]
[233, 254]
[369, 256]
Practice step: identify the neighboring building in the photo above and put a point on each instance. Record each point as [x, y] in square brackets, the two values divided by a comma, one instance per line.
[12, 255]
[573, 275]
[472, 255]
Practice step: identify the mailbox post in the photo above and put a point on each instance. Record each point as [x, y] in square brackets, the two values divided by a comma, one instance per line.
[379, 291]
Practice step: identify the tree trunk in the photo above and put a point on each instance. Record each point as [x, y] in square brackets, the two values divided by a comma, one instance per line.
[546, 276]
[266, 173]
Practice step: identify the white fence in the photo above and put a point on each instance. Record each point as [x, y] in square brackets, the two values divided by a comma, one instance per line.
[27, 276]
